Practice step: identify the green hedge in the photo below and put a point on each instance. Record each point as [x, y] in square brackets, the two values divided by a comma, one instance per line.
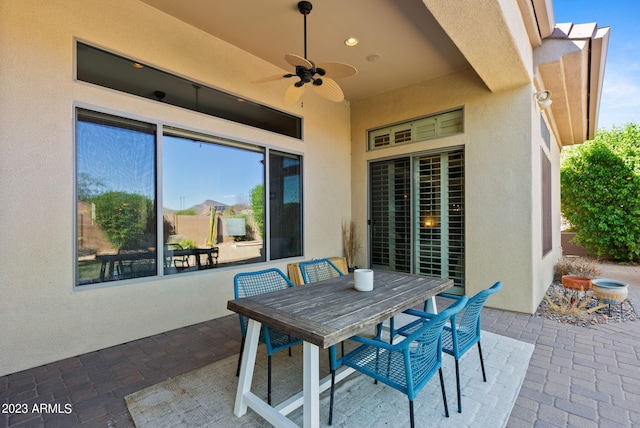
[600, 182]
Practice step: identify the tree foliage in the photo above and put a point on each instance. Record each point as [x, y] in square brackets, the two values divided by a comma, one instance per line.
[257, 204]
[127, 219]
[600, 182]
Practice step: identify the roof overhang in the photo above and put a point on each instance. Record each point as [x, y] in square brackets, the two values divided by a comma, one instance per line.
[491, 37]
[570, 63]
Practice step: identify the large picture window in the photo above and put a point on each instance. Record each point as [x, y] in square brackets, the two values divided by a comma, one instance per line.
[209, 202]
[213, 210]
[116, 198]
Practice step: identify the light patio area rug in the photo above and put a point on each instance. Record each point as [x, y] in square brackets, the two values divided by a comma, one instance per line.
[205, 397]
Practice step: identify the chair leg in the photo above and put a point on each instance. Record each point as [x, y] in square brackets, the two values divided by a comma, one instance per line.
[333, 388]
[375, 381]
[444, 394]
[484, 376]
[289, 338]
[240, 356]
[411, 414]
[269, 380]
[458, 386]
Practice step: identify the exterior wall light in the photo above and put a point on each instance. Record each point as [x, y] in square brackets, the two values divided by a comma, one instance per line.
[543, 98]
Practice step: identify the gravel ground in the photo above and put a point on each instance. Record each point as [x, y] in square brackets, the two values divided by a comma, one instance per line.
[586, 301]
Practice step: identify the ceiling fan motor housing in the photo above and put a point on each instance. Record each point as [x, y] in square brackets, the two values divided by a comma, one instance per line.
[305, 7]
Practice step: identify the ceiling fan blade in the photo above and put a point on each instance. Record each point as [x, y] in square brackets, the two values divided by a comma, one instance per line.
[330, 90]
[336, 70]
[296, 61]
[293, 93]
[272, 78]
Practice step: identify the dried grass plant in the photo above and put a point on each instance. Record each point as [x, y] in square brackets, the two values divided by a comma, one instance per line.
[580, 266]
[572, 303]
[350, 242]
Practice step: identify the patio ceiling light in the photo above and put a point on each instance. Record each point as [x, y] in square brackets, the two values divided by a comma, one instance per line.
[351, 41]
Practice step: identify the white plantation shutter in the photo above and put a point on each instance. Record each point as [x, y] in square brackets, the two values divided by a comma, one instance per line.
[435, 126]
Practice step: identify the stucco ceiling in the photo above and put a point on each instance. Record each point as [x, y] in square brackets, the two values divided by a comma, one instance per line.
[410, 45]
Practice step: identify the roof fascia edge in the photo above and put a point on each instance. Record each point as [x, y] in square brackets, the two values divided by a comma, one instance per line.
[545, 16]
[598, 59]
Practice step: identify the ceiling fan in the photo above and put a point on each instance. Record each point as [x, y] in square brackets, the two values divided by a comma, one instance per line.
[320, 76]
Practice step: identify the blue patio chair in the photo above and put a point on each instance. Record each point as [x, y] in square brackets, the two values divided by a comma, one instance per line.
[252, 283]
[464, 331]
[318, 270]
[408, 365]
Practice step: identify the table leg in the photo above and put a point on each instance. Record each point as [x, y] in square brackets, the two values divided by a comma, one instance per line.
[247, 367]
[431, 306]
[311, 385]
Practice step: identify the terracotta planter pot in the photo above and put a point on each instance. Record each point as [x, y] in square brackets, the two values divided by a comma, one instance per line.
[578, 283]
[610, 291]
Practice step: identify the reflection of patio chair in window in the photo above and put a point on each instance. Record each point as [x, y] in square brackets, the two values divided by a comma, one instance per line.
[180, 262]
[134, 263]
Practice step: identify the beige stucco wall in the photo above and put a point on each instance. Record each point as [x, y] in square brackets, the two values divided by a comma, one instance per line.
[502, 178]
[43, 317]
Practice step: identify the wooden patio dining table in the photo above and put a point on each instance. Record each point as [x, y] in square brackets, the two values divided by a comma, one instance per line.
[322, 314]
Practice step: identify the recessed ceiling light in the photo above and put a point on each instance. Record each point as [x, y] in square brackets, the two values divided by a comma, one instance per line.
[137, 65]
[351, 41]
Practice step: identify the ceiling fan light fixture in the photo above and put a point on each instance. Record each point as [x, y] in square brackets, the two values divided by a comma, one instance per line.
[351, 41]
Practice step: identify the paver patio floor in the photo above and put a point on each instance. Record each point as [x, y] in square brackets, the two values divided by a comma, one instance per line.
[577, 376]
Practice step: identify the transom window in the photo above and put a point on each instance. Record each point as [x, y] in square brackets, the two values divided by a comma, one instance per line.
[123, 74]
[426, 128]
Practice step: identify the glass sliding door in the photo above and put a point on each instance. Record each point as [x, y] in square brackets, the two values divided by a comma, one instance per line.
[439, 215]
[417, 215]
[390, 216]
